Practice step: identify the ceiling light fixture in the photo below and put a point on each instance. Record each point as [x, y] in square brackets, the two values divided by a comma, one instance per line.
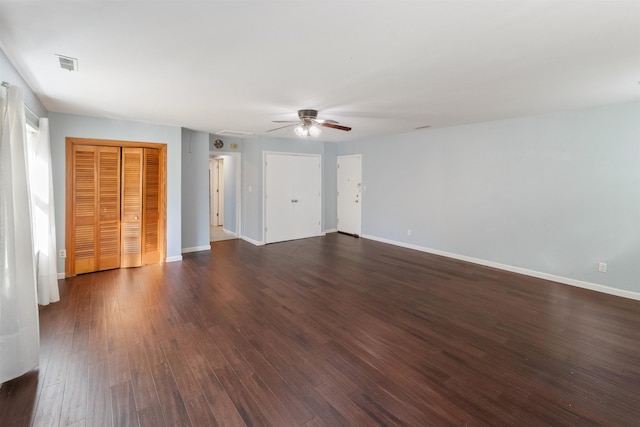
[308, 129]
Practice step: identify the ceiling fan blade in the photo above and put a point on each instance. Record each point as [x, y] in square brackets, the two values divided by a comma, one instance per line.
[285, 121]
[327, 121]
[334, 126]
[282, 127]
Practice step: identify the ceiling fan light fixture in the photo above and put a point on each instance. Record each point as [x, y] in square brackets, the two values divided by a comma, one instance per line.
[300, 131]
[314, 130]
[309, 124]
[307, 130]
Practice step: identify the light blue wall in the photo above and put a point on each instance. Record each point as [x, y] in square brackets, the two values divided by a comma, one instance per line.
[252, 177]
[330, 180]
[68, 125]
[195, 189]
[9, 74]
[231, 165]
[555, 193]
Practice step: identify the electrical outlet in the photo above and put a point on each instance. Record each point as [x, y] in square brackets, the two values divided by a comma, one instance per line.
[602, 267]
[63, 253]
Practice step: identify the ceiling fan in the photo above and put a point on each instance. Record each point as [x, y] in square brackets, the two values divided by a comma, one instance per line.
[309, 124]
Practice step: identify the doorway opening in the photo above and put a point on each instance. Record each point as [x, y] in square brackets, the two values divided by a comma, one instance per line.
[224, 196]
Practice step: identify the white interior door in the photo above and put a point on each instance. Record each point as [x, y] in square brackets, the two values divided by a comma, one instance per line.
[350, 194]
[279, 212]
[307, 197]
[292, 197]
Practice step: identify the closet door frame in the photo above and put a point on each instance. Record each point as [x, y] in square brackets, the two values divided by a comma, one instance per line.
[69, 220]
[288, 196]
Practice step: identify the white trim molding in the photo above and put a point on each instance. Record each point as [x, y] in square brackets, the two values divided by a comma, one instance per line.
[234, 234]
[61, 276]
[540, 275]
[331, 230]
[174, 258]
[253, 242]
[196, 249]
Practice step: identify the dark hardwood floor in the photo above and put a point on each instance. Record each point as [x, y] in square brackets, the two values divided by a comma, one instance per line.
[325, 332]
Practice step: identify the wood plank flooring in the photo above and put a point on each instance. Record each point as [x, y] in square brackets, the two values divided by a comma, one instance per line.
[325, 332]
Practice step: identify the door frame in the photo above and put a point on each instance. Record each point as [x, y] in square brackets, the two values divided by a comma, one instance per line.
[237, 158]
[264, 188]
[69, 226]
[216, 199]
[359, 157]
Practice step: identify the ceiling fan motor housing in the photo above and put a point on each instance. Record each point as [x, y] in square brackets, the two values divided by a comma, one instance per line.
[308, 114]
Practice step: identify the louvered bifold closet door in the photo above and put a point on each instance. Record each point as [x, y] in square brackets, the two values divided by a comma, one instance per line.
[131, 212]
[84, 183]
[152, 220]
[109, 208]
[96, 208]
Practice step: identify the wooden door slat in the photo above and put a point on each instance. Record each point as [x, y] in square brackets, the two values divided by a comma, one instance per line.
[131, 210]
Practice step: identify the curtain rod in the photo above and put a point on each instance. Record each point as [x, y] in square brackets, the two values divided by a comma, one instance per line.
[6, 85]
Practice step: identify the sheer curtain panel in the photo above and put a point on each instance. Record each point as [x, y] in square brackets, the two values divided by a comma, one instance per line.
[42, 210]
[19, 331]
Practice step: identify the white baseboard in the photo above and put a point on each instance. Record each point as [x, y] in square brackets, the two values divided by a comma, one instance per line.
[61, 276]
[331, 230]
[540, 275]
[230, 232]
[173, 258]
[196, 249]
[253, 242]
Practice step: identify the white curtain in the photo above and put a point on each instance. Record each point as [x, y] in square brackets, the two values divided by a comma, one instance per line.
[42, 210]
[19, 330]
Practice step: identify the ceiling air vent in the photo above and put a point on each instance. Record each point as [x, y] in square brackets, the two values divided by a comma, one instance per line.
[68, 63]
[236, 133]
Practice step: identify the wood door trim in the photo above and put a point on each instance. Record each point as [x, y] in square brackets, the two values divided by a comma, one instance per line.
[69, 223]
[115, 143]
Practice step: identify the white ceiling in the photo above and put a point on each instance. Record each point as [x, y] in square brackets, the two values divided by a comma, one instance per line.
[382, 67]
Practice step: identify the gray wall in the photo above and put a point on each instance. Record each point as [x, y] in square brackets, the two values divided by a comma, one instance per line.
[554, 194]
[64, 125]
[330, 182]
[231, 166]
[195, 189]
